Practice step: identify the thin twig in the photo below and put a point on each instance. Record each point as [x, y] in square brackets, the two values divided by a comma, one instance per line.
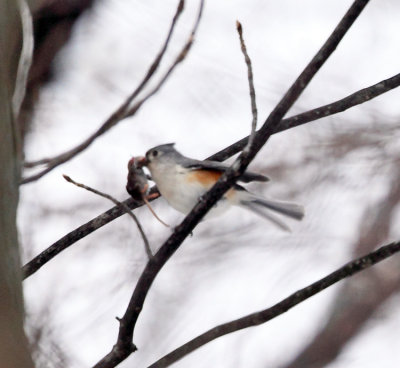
[283, 306]
[341, 105]
[124, 346]
[121, 113]
[179, 58]
[120, 204]
[251, 86]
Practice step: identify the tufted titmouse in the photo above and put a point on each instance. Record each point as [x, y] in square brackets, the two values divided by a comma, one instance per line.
[182, 181]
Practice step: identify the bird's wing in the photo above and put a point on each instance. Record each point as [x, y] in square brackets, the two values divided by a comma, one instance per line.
[247, 177]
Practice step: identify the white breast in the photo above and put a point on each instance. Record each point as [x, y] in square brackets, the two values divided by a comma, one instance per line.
[179, 193]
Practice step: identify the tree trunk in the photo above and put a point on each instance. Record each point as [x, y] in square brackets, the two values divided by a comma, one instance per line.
[14, 351]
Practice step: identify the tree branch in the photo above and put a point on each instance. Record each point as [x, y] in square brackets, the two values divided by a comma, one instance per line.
[124, 346]
[283, 306]
[124, 111]
[350, 311]
[341, 105]
[252, 91]
[356, 98]
[72, 237]
[80, 232]
[120, 204]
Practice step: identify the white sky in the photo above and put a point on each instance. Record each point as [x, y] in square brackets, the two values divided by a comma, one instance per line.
[229, 268]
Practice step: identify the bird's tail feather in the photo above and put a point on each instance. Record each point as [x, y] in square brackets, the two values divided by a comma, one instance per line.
[289, 209]
[260, 206]
[265, 214]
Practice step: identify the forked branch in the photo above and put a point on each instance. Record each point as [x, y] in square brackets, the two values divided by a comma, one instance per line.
[341, 105]
[153, 267]
[125, 110]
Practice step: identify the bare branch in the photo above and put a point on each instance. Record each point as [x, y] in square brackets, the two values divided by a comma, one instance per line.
[373, 288]
[121, 113]
[72, 237]
[180, 57]
[283, 306]
[251, 86]
[354, 99]
[341, 105]
[124, 347]
[120, 204]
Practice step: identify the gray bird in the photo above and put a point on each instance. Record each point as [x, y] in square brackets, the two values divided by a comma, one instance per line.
[182, 181]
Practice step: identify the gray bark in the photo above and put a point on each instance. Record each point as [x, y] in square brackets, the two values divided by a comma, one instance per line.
[14, 351]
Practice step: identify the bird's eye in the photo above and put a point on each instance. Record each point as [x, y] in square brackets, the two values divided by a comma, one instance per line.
[154, 153]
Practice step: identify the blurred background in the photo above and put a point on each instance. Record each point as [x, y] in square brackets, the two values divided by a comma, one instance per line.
[89, 56]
